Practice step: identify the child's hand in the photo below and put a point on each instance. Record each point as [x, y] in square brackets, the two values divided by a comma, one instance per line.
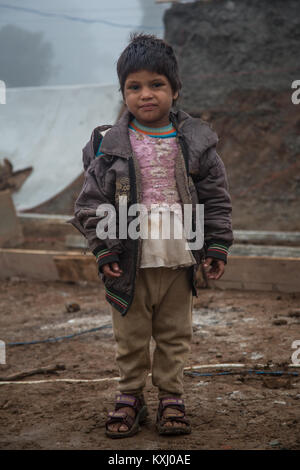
[111, 270]
[214, 268]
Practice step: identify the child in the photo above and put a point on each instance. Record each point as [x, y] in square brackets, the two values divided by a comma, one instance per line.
[153, 154]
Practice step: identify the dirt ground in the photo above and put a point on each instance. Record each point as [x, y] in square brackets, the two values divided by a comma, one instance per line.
[241, 410]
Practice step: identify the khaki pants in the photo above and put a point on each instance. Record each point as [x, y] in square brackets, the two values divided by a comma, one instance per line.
[161, 308]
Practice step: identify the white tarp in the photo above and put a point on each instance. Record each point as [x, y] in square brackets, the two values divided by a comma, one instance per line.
[46, 128]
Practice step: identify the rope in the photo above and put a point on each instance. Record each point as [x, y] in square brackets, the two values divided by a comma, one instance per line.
[277, 373]
[59, 380]
[187, 371]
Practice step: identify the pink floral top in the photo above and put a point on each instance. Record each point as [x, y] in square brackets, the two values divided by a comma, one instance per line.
[156, 157]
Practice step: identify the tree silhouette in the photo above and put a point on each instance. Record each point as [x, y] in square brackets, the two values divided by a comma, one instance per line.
[25, 58]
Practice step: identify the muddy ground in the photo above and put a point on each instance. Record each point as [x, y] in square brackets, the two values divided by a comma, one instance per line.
[234, 411]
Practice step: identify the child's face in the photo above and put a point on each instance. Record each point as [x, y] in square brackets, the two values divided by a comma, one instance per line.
[149, 97]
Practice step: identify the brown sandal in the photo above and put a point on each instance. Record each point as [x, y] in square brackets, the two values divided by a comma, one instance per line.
[117, 416]
[177, 404]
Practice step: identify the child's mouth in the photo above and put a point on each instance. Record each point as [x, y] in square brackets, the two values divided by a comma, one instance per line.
[148, 107]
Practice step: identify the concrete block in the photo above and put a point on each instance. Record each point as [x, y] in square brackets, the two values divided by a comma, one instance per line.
[262, 269]
[46, 225]
[265, 236]
[261, 273]
[11, 234]
[76, 241]
[31, 264]
[266, 251]
[226, 284]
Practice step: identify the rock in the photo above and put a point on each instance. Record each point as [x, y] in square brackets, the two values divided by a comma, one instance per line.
[6, 404]
[295, 313]
[274, 443]
[72, 307]
[277, 382]
[201, 383]
[236, 395]
[279, 322]
[256, 356]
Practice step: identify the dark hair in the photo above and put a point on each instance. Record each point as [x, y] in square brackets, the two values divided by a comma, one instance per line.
[147, 52]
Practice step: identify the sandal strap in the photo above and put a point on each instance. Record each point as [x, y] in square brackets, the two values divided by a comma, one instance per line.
[127, 400]
[119, 416]
[171, 402]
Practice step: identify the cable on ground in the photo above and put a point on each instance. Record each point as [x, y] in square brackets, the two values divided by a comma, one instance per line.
[59, 338]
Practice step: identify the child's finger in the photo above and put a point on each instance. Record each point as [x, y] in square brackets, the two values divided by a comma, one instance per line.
[116, 268]
[217, 270]
[207, 263]
[107, 271]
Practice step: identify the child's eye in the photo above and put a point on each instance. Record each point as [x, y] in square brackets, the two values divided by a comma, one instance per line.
[157, 85]
[133, 87]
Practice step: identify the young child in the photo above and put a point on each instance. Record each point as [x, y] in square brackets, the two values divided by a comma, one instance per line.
[157, 155]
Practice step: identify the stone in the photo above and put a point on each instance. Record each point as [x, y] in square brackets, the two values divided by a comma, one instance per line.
[72, 307]
[279, 322]
[274, 443]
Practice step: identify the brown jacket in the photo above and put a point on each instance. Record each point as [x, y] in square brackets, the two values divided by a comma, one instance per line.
[200, 177]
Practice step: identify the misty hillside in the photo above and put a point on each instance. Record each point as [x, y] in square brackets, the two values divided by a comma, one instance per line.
[238, 60]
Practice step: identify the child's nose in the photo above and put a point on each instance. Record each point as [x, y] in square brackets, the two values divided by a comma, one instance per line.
[146, 93]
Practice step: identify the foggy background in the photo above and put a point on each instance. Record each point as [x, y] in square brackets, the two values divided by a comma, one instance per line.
[67, 42]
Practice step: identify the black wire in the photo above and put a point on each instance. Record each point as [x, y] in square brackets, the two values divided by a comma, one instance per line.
[77, 18]
[52, 340]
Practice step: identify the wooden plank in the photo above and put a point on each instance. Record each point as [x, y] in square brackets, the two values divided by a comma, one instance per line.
[29, 264]
[263, 269]
[274, 251]
[265, 236]
[76, 268]
[241, 272]
[261, 273]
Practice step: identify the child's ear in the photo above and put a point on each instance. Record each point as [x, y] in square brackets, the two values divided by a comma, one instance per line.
[175, 96]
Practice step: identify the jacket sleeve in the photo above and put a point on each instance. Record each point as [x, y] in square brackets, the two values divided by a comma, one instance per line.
[213, 191]
[98, 188]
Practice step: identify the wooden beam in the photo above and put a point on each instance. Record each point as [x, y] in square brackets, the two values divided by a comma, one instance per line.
[264, 273]
[76, 268]
[260, 273]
